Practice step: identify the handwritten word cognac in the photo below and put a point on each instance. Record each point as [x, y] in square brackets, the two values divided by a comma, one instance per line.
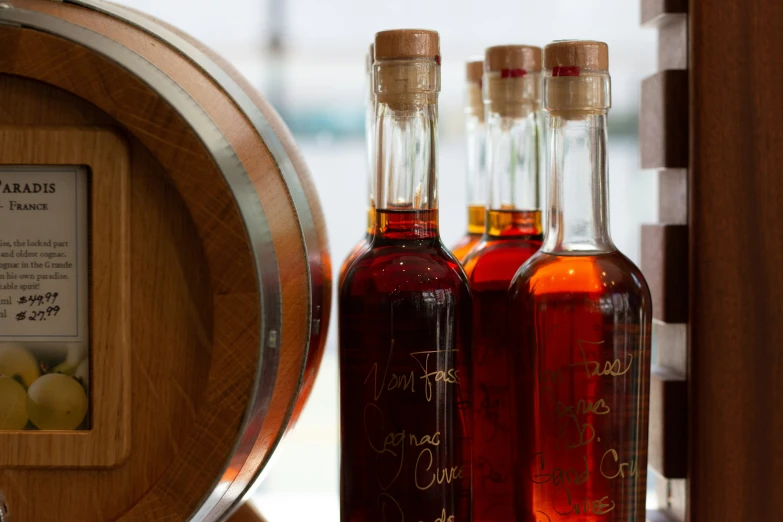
[405, 318]
[581, 314]
[475, 148]
[513, 233]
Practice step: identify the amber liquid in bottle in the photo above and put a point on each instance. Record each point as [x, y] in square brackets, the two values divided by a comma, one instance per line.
[490, 268]
[404, 367]
[405, 331]
[475, 230]
[513, 234]
[586, 385]
[581, 321]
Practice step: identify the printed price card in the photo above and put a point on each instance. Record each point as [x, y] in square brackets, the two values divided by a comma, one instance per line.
[44, 292]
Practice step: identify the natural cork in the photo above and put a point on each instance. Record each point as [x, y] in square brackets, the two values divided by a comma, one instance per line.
[584, 54]
[407, 44]
[474, 70]
[513, 58]
[512, 80]
[474, 101]
[577, 78]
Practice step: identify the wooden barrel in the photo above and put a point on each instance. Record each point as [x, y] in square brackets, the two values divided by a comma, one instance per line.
[209, 274]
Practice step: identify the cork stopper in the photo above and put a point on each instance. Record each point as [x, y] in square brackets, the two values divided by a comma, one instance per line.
[399, 44]
[519, 58]
[406, 71]
[512, 80]
[474, 101]
[583, 54]
[576, 78]
[474, 70]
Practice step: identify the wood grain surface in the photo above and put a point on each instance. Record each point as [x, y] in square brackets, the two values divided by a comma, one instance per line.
[673, 42]
[672, 342]
[320, 261]
[668, 449]
[194, 303]
[673, 196]
[736, 255]
[665, 266]
[663, 120]
[653, 11]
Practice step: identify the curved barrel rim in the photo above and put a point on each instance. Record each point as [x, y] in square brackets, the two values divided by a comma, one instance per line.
[239, 183]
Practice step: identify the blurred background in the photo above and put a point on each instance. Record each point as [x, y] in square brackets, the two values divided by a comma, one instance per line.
[307, 57]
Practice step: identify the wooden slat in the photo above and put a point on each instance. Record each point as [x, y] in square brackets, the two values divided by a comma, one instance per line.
[673, 42]
[660, 516]
[673, 196]
[672, 497]
[665, 266]
[736, 360]
[654, 11]
[663, 120]
[671, 340]
[668, 442]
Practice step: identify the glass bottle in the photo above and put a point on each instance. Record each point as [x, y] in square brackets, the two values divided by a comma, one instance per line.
[476, 159]
[405, 317]
[581, 316]
[369, 129]
[513, 233]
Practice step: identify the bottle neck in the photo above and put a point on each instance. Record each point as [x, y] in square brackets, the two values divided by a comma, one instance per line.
[514, 156]
[406, 177]
[369, 129]
[406, 133]
[476, 146]
[578, 220]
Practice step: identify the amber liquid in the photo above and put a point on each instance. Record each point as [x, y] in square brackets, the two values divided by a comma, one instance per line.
[475, 231]
[512, 238]
[405, 377]
[581, 327]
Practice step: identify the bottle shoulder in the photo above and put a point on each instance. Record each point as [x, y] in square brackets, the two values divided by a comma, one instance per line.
[353, 255]
[496, 260]
[465, 245]
[548, 275]
[405, 266]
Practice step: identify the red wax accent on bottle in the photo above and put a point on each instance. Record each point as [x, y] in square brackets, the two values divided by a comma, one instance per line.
[512, 73]
[572, 70]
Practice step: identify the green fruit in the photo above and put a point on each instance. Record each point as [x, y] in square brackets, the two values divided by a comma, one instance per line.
[13, 412]
[64, 368]
[15, 360]
[56, 402]
[83, 372]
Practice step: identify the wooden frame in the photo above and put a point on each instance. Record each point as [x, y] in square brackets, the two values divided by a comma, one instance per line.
[735, 469]
[731, 205]
[107, 443]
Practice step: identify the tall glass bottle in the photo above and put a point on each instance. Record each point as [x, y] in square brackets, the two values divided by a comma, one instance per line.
[513, 233]
[476, 159]
[405, 317]
[369, 129]
[581, 312]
